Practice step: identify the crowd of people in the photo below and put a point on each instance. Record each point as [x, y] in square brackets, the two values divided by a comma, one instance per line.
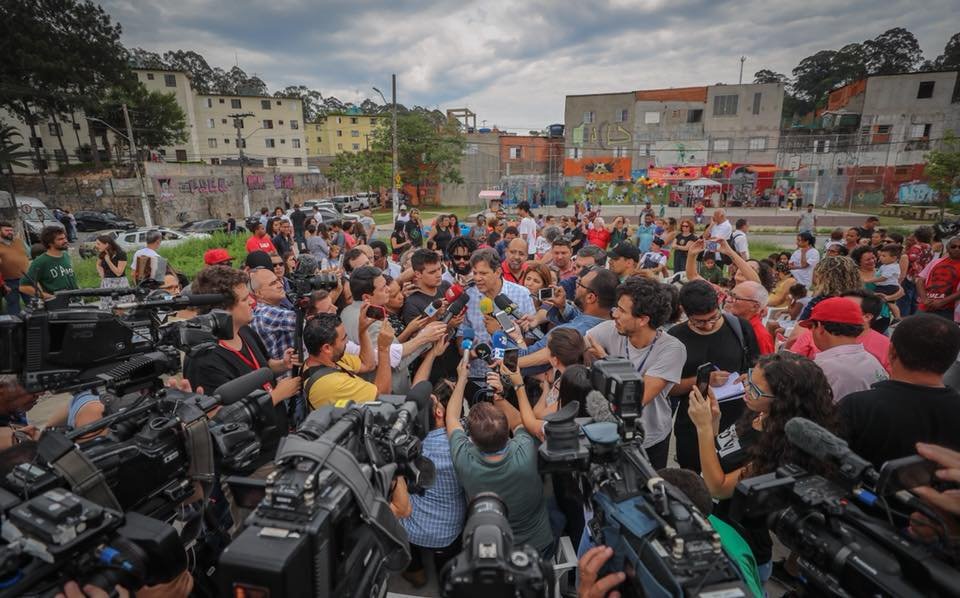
[822, 332]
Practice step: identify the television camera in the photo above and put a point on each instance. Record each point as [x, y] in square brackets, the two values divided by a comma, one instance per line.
[843, 549]
[321, 524]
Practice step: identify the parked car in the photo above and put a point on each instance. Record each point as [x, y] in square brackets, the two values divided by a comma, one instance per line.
[36, 216]
[135, 239]
[347, 203]
[370, 199]
[213, 225]
[89, 220]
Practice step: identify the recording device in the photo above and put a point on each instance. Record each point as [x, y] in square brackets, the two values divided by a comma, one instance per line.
[490, 564]
[486, 306]
[505, 321]
[498, 344]
[58, 536]
[455, 308]
[453, 292]
[304, 279]
[484, 352]
[511, 309]
[712, 245]
[322, 526]
[659, 539]
[545, 293]
[376, 312]
[511, 358]
[703, 378]
[843, 549]
[432, 308]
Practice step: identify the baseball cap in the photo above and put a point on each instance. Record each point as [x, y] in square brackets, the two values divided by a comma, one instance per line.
[837, 310]
[214, 257]
[258, 259]
[625, 250]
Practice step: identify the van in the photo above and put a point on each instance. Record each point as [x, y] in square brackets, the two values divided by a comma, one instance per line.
[35, 216]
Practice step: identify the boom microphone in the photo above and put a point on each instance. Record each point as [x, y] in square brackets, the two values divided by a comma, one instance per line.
[819, 443]
[181, 301]
[238, 388]
[598, 407]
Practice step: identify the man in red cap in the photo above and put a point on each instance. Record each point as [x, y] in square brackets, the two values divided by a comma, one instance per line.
[217, 257]
[836, 325]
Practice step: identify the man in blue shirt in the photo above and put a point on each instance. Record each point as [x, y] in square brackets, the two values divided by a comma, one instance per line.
[595, 297]
[646, 231]
[437, 517]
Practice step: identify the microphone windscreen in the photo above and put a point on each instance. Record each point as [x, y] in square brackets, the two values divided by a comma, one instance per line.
[453, 293]
[306, 265]
[486, 306]
[504, 303]
[238, 388]
[598, 407]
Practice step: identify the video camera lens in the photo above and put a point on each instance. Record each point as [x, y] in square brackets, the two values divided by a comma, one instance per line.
[486, 509]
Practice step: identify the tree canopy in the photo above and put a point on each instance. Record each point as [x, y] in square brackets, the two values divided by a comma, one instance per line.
[943, 169]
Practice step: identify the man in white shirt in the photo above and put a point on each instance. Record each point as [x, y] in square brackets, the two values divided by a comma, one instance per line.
[527, 228]
[804, 259]
[719, 227]
[738, 239]
[153, 239]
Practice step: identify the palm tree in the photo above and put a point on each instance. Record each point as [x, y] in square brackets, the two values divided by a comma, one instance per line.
[12, 154]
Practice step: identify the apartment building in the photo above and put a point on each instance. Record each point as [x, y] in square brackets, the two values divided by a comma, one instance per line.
[348, 131]
[72, 130]
[177, 83]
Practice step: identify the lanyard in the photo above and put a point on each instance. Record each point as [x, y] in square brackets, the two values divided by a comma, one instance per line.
[253, 363]
[644, 362]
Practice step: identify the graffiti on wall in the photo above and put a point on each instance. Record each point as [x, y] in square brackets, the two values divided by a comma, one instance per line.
[523, 187]
[283, 181]
[917, 192]
[165, 191]
[255, 182]
[597, 169]
[605, 135]
[209, 185]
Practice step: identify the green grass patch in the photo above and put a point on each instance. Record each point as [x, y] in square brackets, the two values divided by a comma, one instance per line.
[761, 249]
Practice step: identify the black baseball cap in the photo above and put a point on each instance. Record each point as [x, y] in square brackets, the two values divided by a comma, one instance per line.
[625, 250]
[258, 259]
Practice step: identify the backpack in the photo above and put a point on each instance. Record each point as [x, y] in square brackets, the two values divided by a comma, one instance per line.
[737, 328]
[313, 374]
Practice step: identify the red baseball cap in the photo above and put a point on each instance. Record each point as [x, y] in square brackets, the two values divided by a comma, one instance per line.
[214, 257]
[838, 310]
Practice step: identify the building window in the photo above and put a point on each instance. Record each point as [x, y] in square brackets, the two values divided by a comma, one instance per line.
[651, 118]
[209, 102]
[573, 152]
[283, 141]
[243, 143]
[354, 133]
[725, 105]
[215, 161]
[339, 120]
[60, 155]
[353, 120]
[821, 146]
[694, 116]
[226, 141]
[36, 142]
[373, 122]
[149, 76]
[881, 133]
[319, 139]
[279, 123]
[267, 124]
[235, 104]
[264, 104]
[170, 80]
[621, 116]
[758, 144]
[619, 152]
[339, 132]
[278, 103]
[516, 152]
[295, 143]
[756, 102]
[181, 155]
[356, 147]
[721, 145]
[588, 117]
[211, 122]
[339, 146]
[54, 129]
[298, 161]
[294, 124]
[271, 161]
[211, 143]
[925, 90]
[238, 123]
[647, 149]
[283, 160]
[920, 131]
[270, 142]
[221, 100]
[223, 121]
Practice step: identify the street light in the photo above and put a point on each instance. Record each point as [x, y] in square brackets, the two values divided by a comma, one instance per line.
[393, 183]
[144, 204]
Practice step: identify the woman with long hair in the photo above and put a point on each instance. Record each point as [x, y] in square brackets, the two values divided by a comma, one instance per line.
[111, 265]
[781, 291]
[684, 237]
[441, 233]
[781, 386]
[399, 240]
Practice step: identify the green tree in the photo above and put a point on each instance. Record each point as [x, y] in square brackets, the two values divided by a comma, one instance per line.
[815, 76]
[310, 98]
[12, 153]
[427, 153]
[155, 116]
[361, 171]
[943, 170]
[850, 63]
[893, 51]
[950, 59]
[202, 76]
[768, 76]
[59, 56]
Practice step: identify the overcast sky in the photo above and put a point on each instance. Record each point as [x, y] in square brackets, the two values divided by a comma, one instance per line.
[512, 62]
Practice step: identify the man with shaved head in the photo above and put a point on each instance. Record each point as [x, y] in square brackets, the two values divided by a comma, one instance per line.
[516, 263]
[748, 300]
[275, 324]
[719, 227]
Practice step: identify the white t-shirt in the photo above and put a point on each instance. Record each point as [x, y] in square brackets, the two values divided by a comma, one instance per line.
[144, 252]
[722, 230]
[804, 275]
[528, 230]
[890, 274]
[740, 243]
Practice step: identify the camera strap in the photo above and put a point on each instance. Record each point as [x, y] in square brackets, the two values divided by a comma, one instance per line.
[200, 449]
[391, 536]
[85, 478]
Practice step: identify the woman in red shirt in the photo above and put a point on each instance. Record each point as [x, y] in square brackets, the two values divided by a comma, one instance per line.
[599, 235]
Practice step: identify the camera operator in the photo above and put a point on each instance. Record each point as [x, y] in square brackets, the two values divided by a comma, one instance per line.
[490, 461]
[643, 305]
[782, 386]
[245, 352]
[15, 401]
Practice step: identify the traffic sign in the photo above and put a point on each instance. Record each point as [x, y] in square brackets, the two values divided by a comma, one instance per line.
[26, 208]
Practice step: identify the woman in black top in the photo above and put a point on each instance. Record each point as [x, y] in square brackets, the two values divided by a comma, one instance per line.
[442, 234]
[782, 386]
[112, 268]
[399, 240]
[686, 235]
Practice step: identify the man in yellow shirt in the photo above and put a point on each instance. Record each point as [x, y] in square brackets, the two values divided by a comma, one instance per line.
[331, 377]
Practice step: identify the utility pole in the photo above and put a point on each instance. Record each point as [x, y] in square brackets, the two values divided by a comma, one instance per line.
[237, 122]
[144, 204]
[742, 60]
[396, 170]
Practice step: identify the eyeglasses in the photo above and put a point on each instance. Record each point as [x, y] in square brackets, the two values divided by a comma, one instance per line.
[460, 258]
[705, 322]
[589, 290]
[731, 298]
[754, 389]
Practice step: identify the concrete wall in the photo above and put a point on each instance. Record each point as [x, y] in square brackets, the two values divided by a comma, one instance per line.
[479, 168]
[609, 130]
[745, 125]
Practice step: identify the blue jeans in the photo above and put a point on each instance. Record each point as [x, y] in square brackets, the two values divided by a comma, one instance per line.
[765, 570]
[13, 297]
[908, 303]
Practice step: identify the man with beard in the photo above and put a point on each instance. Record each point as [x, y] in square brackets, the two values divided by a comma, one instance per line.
[594, 298]
[13, 263]
[52, 271]
[460, 250]
[516, 263]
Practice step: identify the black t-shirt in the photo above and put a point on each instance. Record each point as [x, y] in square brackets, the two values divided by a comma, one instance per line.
[121, 256]
[414, 234]
[281, 244]
[213, 367]
[733, 449]
[297, 218]
[415, 304]
[888, 420]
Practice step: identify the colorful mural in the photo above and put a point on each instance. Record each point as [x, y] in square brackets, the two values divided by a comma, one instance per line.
[597, 169]
[920, 193]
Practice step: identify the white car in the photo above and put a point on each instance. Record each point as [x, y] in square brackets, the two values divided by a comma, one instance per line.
[131, 240]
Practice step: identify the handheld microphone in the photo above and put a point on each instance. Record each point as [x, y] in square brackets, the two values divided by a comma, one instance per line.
[455, 308]
[511, 309]
[486, 306]
[483, 351]
[238, 388]
[498, 341]
[817, 442]
[468, 335]
[453, 293]
[432, 308]
[598, 407]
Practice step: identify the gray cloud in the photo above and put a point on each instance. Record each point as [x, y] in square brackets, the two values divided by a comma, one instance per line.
[512, 61]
